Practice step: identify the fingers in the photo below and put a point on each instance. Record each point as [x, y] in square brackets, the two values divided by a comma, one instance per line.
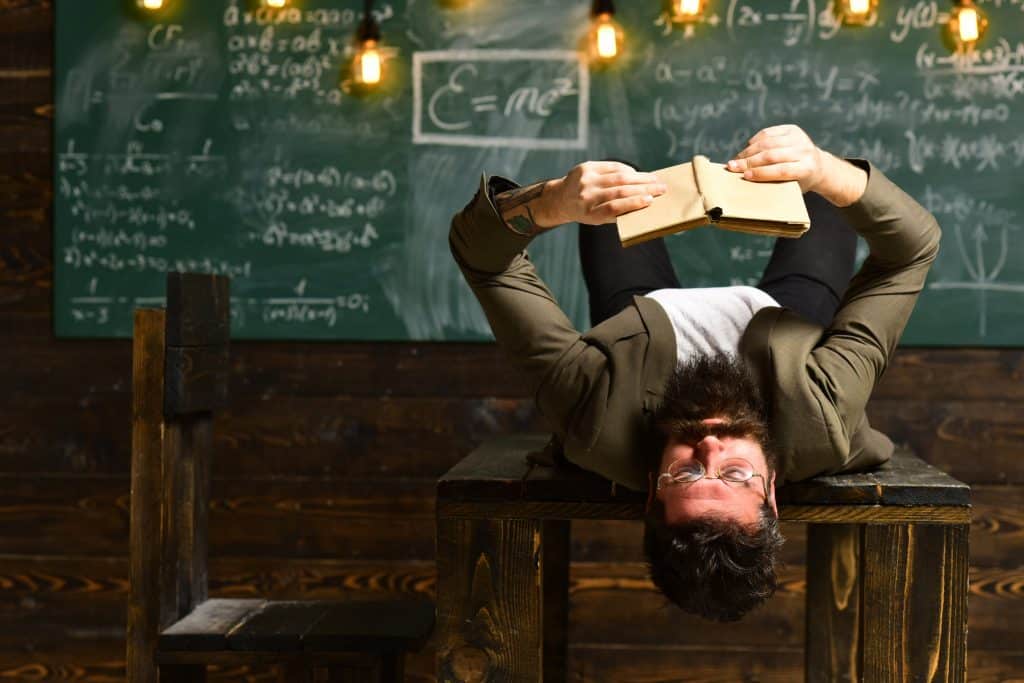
[764, 158]
[624, 176]
[790, 170]
[593, 200]
[607, 167]
[617, 181]
[609, 211]
[773, 137]
[774, 132]
[778, 153]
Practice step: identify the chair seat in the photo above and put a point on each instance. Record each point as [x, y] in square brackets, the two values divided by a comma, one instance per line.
[221, 625]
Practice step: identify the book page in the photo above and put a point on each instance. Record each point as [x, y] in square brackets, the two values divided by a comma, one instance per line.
[728, 197]
[680, 208]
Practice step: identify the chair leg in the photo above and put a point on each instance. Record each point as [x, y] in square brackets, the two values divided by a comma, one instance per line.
[388, 668]
[296, 671]
[833, 613]
[182, 673]
[915, 602]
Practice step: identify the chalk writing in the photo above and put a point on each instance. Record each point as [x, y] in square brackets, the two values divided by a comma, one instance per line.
[461, 96]
[982, 234]
[228, 138]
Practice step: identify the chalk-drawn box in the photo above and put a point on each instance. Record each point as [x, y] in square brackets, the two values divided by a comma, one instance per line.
[527, 99]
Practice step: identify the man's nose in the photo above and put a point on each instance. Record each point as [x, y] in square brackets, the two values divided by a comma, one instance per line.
[710, 444]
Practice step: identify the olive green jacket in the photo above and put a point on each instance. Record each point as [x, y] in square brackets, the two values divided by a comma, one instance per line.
[598, 390]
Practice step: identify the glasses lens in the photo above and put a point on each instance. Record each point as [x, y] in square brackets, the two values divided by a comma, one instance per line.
[736, 470]
[686, 471]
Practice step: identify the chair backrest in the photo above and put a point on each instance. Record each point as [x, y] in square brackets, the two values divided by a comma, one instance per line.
[179, 377]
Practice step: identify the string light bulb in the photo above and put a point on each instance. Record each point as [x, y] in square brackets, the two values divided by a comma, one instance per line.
[367, 67]
[857, 12]
[152, 5]
[274, 4]
[687, 11]
[967, 25]
[605, 34]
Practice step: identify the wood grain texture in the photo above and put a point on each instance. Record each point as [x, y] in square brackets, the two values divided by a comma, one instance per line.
[822, 514]
[196, 379]
[915, 603]
[198, 309]
[206, 628]
[833, 610]
[276, 626]
[183, 673]
[372, 626]
[319, 416]
[489, 601]
[556, 543]
[979, 443]
[102, 661]
[88, 516]
[500, 470]
[185, 512]
[146, 535]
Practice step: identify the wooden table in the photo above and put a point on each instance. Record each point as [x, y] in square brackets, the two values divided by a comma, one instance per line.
[886, 567]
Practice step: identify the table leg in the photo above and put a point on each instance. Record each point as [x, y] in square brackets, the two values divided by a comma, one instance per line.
[832, 646]
[915, 603]
[490, 600]
[555, 545]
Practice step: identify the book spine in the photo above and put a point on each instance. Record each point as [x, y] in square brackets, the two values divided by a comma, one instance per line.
[703, 175]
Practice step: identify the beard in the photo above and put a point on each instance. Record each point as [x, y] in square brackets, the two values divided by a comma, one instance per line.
[718, 386]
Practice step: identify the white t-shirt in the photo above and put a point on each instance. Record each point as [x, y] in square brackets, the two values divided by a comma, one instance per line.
[710, 320]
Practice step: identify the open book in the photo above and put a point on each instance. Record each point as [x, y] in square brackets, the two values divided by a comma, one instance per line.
[701, 192]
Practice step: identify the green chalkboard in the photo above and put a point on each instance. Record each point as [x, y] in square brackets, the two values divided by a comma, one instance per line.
[221, 137]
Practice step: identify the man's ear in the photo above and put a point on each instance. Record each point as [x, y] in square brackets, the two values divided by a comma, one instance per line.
[771, 495]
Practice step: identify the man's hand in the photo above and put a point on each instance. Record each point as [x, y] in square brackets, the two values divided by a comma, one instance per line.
[597, 192]
[787, 153]
[593, 192]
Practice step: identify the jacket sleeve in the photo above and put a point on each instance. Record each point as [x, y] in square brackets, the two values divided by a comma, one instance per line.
[903, 239]
[565, 372]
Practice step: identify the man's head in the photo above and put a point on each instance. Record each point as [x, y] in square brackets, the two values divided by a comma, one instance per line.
[711, 532]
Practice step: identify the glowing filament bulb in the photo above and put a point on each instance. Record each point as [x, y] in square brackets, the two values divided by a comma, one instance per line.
[606, 38]
[967, 25]
[859, 6]
[151, 4]
[967, 21]
[689, 7]
[368, 64]
[275, 4]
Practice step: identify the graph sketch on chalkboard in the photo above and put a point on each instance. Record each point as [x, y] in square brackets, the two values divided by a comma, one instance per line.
[983, 236]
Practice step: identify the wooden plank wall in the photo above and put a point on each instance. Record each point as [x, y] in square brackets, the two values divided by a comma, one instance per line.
[324, 470]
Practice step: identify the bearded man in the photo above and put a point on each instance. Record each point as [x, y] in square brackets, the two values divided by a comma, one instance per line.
[706, 398]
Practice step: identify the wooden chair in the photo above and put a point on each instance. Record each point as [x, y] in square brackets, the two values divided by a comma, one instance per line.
[180, 377]
[886, 567]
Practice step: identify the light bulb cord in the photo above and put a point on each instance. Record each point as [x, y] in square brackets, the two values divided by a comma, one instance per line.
[368, 28]
[602, 7]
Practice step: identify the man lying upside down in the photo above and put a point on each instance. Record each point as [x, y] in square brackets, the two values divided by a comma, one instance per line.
[707, 398]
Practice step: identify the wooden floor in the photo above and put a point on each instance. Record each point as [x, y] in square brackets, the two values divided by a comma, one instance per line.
[323, 479]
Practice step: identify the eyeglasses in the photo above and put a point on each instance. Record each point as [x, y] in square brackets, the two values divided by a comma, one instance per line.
[733, 471]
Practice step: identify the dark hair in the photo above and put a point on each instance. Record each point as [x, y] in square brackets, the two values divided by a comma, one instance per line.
[715, 568]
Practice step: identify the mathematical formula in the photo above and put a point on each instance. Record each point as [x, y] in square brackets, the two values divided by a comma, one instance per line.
[465, 98]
